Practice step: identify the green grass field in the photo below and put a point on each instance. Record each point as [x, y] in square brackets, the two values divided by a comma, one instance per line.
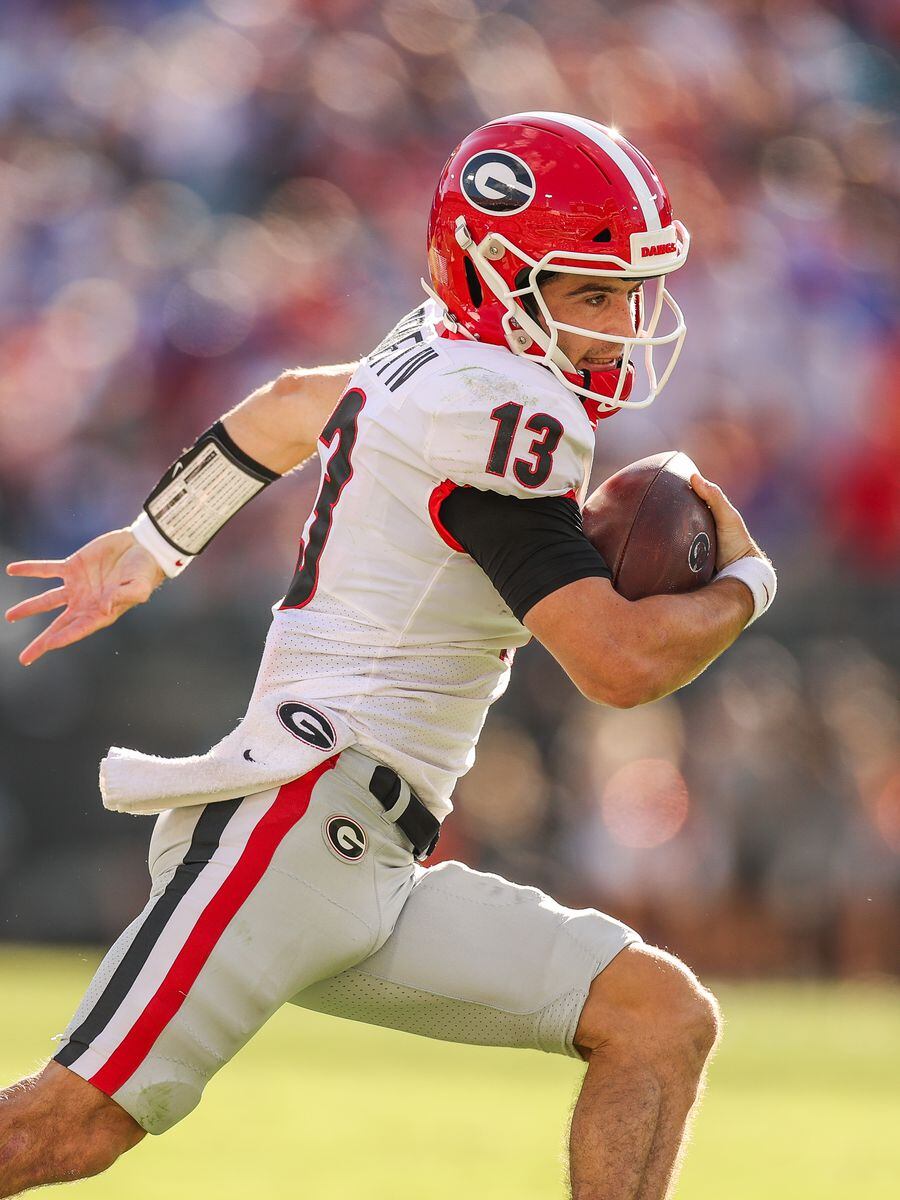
[804, 1101]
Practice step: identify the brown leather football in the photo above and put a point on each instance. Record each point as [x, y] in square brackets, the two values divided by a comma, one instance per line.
[652, 528]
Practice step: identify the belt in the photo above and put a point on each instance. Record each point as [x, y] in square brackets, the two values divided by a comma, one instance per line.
[405, 810]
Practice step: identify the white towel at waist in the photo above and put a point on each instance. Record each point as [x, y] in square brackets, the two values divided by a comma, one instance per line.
[282, 737]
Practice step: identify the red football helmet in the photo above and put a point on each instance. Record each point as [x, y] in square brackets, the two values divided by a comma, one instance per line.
[542, 191]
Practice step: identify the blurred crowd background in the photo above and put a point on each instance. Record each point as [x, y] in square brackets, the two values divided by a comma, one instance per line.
[196, 195]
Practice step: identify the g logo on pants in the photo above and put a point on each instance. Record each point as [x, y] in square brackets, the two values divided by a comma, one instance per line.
[345, 837]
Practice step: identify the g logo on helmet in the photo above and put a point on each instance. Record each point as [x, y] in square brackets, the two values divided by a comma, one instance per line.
[498, 183]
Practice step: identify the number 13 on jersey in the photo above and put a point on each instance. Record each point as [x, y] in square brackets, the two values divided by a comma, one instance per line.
[533, 470]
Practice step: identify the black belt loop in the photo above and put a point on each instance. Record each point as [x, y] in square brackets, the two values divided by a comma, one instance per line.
[419, 824]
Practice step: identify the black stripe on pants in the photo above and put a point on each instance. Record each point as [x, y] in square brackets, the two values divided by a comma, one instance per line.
[207, 834]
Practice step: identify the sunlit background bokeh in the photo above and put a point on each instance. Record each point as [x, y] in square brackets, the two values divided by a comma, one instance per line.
[194, 196]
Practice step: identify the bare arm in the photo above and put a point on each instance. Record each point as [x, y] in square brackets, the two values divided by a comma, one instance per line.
[278, 425]
[623, 652]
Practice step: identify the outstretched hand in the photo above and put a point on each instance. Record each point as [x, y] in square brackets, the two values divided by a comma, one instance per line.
[100, 582]
[733, 538]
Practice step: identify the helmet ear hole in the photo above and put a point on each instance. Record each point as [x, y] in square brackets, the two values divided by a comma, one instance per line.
[475, 290]
[605, 235]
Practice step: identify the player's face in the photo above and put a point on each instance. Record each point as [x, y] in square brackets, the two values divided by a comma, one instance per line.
[601, 304]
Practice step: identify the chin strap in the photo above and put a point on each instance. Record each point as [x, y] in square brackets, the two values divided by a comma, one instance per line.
[522, 331]
[595, 410]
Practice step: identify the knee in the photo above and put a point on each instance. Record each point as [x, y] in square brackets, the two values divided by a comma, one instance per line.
[649, 1002]
[89, 1150]
[679, 1004]
[56, 1127]
[701, 1020]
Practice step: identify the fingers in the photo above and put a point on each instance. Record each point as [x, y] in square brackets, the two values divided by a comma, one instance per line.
[732, 536]
[65, 630]
[38, 568]
[704, 488]
[46, 602]
[711, 493]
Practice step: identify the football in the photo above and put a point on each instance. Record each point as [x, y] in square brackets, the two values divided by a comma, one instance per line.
[653, 530]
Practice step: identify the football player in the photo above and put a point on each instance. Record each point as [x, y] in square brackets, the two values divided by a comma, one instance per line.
[286, 863]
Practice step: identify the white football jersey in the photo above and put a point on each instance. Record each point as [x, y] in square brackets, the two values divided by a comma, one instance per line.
[387, 623]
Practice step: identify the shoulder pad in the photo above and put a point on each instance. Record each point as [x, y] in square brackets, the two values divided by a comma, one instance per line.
[509, 431]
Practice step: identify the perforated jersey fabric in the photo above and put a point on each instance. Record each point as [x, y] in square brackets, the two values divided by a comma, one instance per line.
[474, 958]
[113, 958]
[420, 717]
[108, 968]
[361, 996]
[395, 637]
[386, 623]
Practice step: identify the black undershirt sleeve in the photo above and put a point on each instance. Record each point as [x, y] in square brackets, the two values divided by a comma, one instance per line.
[527, 548]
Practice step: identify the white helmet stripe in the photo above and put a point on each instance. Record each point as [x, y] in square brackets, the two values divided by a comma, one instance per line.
[595, 134]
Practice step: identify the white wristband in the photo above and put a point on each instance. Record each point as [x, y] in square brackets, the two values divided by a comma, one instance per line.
[758, 575]
[146, 534]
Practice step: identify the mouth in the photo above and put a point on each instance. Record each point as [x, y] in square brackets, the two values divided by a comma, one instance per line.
[602, 364]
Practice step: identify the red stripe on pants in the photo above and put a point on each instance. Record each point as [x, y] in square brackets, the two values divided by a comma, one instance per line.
[286, 810]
